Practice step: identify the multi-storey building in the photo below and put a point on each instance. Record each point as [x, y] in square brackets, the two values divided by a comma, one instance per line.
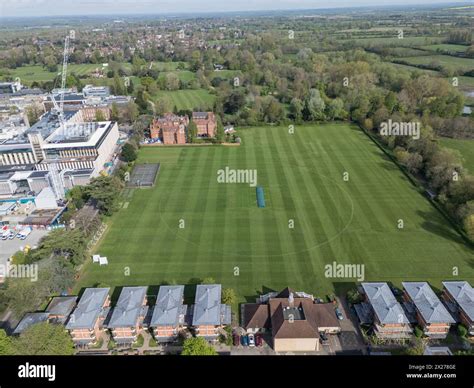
[431, 314]
[168, 313]
[170, 128]
[206, 123]
[85, 324]
[126, 321]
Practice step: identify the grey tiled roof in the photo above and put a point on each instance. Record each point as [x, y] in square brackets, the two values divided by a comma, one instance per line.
[463, 294]
[61, 305]
[168, 306]
[207, 307]
[29, 320]
[386, 307]
[128, 308]
[88, 309]
[427, 303]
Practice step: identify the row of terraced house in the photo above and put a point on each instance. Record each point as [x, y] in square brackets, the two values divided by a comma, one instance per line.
[419, 305]
[87, 318]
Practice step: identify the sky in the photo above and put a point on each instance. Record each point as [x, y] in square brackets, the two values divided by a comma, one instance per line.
[103, 7]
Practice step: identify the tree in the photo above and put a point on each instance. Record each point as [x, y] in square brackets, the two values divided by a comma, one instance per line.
[6, 345]
[172, 81]
[192, 132]
[99, 115]
[315, 106]
[130, 113]
[296, 110]
[129, 153]
[44, 339]
[220, 131]
[114, 112]
[462, 331]
[469, 226]
[234, 102]
[197, 346]
[105, 191]
[229, 296]
[22, 296]
[208, 280]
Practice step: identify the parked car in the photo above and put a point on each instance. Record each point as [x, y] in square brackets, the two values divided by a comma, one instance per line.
[244, 340]
[258, 340]
[339, 314]
[236, 338]
[323, 338]
[251, 339]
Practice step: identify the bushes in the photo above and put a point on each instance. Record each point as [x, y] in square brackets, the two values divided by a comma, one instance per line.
[418, 332]
[462, 331]
[129, 153]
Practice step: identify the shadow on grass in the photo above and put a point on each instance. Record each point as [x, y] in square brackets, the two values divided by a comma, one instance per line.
[436, 224]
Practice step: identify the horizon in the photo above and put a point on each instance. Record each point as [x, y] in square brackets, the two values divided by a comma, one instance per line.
[54, 8]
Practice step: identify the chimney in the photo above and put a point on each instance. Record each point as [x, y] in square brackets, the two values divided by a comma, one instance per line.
[291, 300]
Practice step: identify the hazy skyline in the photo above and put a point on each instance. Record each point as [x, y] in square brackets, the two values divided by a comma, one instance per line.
[103, 7]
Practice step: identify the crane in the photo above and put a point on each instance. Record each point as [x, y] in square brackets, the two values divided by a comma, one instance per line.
[60, 108]
[57, 180]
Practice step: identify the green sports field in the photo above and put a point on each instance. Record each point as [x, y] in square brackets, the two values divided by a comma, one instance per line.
[225, 234]
[187, 99]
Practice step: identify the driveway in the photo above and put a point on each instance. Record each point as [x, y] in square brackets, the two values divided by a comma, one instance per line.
[350, 338]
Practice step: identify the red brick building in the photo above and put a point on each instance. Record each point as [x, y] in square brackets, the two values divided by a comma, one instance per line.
[170, 128]
[206, 123]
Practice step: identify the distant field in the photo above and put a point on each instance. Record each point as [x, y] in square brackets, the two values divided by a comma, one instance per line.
[225, 74]
[187, 99]
[225, 236]
[168, 66]
[465, 147]
[444, 47]
[465, 82]
[183, 75]
[38, 73]
[394, 41]
[446, 61]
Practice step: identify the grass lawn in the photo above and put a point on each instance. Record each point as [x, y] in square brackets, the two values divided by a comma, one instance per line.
[188, 98]
[446, 61]
[465, 147]
[302, 176]
[446, 47]
[38, 73]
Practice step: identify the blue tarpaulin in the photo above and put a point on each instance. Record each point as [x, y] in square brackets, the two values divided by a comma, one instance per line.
[260, 197]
